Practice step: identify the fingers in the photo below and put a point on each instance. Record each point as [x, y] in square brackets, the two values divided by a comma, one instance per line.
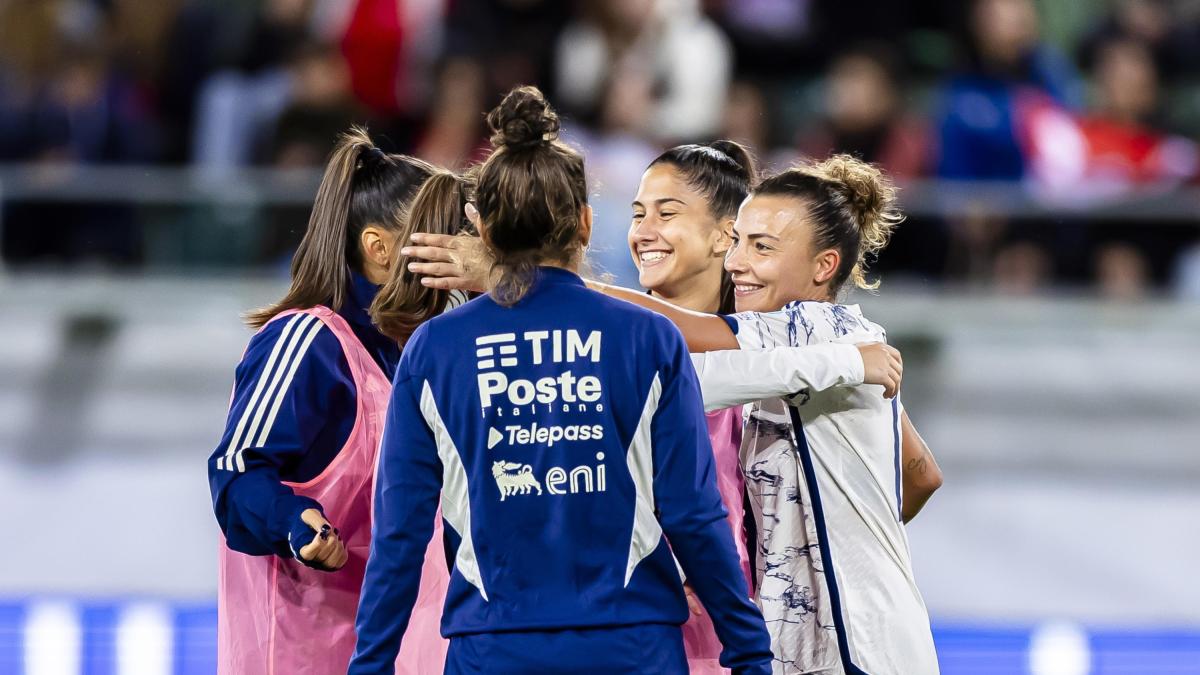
[890, 387]
[693, 601]
[448, 241]
[429, 253]
[896, 366]
[435, 269]
[328, 553]
[314, 519]
[882, 365]
[326, 550]
[450, 283]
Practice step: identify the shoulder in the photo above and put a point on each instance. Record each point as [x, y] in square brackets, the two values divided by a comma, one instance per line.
[452, 320]
[296, 338]
[441, 335]
[803, 323]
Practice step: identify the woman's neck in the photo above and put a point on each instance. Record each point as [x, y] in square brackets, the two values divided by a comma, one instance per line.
[702, 294]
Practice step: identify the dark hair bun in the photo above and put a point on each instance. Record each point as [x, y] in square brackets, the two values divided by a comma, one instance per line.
[739, 154]
[523, 120]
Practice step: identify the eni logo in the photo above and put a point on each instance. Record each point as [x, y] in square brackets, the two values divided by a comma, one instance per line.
[514, 478]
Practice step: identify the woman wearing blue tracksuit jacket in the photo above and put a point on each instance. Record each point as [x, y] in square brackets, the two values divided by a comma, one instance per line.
[564, 431]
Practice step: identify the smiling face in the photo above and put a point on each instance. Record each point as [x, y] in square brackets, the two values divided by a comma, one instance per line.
[773, 260]
[676, 241]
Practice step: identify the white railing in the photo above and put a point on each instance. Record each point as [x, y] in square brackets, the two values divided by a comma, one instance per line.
[155, 185]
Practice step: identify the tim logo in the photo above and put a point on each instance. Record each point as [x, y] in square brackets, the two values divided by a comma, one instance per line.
[508, 393]
[514, 478]
[491, 349]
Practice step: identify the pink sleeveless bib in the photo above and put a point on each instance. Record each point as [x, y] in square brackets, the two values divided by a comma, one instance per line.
[725, 431]
[278, 617]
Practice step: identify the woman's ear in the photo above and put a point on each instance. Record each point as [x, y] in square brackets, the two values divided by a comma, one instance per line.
[377, 245]
[724, 239]
[827, 264]
[585, 226]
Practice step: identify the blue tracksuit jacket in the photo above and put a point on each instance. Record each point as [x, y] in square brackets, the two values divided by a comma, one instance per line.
[566, 436]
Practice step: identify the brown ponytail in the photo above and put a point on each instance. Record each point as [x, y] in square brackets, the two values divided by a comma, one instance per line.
[853, 208]
[403, 303]
[362, 185]
[531, 193]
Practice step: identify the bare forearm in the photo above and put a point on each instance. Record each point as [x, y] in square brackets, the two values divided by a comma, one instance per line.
[920, 472]
[703, 332]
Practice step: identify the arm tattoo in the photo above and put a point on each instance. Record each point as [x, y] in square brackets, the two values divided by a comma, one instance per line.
[919, 465]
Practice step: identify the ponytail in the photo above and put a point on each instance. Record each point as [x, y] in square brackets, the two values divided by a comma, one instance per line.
[362, 185]
[404, 303]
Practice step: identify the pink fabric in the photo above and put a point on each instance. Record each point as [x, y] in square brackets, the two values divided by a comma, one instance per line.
[278, 617]
[725, 431]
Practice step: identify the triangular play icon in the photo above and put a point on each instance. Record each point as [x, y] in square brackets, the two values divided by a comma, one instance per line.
[494, 437]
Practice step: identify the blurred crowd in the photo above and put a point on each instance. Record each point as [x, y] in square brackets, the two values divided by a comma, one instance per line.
[1080, 103]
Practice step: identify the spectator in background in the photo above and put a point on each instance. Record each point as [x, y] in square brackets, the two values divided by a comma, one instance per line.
[1171, 33]
[514, 38]
[773, 39]
[979, 138]
[72, 107]
[1114, 147]
[865, 117]
[666, 47]
[237, 108]
[320, 106]
[1125, 150]
[750, 119]
[391, 47]
[454, 134]
[617, 153]
[978, 132]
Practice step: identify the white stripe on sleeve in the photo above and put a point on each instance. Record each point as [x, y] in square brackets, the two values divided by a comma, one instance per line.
[263, 378]
[287, 382]
[301, 338]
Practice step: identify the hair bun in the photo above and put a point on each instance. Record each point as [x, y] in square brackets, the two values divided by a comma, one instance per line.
[868, 192]
[739, 154]
[523, 120]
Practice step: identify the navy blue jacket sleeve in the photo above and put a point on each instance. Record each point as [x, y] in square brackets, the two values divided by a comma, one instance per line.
[292, 381]
[693, 517]
[408, 481]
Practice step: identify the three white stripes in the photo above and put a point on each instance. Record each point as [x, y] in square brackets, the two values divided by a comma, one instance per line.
[268, 394]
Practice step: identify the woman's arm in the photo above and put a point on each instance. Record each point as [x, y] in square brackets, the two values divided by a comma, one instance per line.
[921, 475]
[702, 332]
[270, 426]
[408, 481]
[461, 262]
[736, 377]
